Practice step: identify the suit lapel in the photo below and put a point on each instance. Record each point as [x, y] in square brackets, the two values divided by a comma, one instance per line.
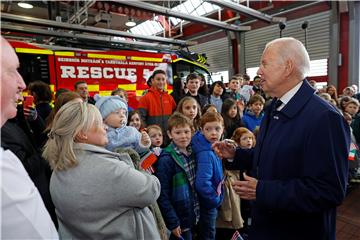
[290, 110]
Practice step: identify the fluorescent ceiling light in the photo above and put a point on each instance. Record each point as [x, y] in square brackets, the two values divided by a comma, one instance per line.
[25, 5]
[130, 23]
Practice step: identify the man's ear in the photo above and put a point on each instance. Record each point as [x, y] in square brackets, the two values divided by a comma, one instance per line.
[289, 67]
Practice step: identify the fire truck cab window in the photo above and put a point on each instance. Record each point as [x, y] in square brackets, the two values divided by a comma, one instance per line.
[182, 69]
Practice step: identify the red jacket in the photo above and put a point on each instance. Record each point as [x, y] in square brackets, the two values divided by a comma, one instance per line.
[156, 107]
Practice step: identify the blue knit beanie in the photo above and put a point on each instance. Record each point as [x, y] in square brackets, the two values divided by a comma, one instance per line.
[109, 104]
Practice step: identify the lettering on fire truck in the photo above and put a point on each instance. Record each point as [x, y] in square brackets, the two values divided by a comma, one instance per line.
[98, 73]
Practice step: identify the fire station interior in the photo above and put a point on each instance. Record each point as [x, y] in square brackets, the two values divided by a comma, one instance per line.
[228, 28]
[219, 38]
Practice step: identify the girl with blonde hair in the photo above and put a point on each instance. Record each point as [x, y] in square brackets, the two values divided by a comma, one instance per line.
[97, 193]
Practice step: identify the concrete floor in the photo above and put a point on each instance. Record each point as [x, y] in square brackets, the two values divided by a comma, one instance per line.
[348, 216]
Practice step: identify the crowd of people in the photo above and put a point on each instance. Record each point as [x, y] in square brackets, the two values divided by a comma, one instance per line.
[204, 162]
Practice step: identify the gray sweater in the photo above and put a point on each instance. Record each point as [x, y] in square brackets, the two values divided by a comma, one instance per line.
[104, 197]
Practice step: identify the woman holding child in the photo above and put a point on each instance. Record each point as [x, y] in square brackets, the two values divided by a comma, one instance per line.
[97, 193]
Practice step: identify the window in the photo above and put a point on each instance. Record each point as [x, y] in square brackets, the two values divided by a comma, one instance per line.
[182, 69]
[220, 76]
[317, 68]
[192, 7]
[252, 72]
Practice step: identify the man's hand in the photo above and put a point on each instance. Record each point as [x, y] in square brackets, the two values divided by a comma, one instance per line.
[224, 149]
[176, 232]
[145, 139]
[246, 189]
[30, 113]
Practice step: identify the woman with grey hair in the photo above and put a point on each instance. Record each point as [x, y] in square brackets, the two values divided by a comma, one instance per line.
[97, 193]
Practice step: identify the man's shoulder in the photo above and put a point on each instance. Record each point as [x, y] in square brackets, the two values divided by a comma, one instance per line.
[321, 112]
[321, 105]
[306, 101]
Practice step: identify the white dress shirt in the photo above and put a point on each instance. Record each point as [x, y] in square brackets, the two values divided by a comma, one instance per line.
[289, 95]
[23, 213]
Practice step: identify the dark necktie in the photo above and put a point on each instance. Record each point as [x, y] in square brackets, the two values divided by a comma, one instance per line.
[276, 106]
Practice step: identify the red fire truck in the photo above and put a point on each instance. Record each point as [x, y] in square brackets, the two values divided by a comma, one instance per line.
[104, 71]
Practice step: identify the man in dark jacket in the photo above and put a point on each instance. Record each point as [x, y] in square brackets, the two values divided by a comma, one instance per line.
[299, 165]
[81, 88]
[17, 137]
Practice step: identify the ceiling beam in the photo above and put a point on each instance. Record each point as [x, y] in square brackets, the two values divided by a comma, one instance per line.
[168, 12]
[81, 28]
[44, 32]
[246, 11]
[82, 10]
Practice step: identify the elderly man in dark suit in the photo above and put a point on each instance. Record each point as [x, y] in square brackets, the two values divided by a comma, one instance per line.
[299, 166]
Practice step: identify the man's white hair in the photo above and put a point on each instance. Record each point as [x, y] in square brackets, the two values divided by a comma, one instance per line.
[293, 49]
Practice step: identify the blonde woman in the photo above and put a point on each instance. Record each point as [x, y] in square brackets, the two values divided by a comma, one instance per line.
[97, 193]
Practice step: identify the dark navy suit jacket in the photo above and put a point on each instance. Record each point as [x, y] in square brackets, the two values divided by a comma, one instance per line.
[301, 163]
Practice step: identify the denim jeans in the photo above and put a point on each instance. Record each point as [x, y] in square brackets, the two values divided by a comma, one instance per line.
[207, 224]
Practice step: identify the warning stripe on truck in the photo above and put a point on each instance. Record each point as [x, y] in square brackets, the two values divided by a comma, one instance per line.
[146, 59]
[127, 87]
[93, 88]
[67, 54]
[106, 56]
[34, 51]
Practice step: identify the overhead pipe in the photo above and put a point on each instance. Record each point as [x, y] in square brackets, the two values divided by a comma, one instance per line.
[43, 32]
[48, 23]
[168, 12]
[245, 10]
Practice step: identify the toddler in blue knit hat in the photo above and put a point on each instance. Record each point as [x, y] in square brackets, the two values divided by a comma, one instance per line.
[114, 112]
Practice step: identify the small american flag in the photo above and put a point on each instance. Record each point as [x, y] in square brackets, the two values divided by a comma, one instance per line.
[236, 236]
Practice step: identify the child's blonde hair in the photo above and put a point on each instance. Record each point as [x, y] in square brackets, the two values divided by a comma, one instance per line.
[72, 118]
[353, 101]
[241, 131]
[155, 127]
